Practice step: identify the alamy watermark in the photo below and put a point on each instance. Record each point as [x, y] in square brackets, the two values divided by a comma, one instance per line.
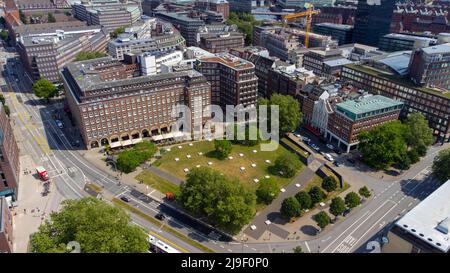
[251, 123]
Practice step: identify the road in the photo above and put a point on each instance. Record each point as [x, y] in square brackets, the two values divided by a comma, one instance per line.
[52, 148]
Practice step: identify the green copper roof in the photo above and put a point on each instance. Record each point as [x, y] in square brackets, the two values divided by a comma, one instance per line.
[368, 107]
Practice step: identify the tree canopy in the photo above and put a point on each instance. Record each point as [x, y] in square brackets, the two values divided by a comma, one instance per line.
[267, 191]
[317, 194]
[222, 148]
[322, 219]
[290, 208]
[337, 206]
[89, 55]
[304, 199]
[117, 31]
[129, 160]
[286, 165]
[441, 165]
[51, 18]
[97, 226]
[290, 115]
[329, 184]
[352, 199]
[224, 201]
[245, 22]
[365, 192]
[43, 88]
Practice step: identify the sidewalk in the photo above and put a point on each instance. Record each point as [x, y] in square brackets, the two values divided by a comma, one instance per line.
[33, 208]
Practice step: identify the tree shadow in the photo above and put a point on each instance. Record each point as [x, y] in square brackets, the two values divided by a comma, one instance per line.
[277, 218]
[309, 230]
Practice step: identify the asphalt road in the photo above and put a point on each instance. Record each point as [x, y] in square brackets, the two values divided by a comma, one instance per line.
[52, 147]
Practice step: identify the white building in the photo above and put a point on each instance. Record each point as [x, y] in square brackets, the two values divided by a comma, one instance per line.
[153, 63]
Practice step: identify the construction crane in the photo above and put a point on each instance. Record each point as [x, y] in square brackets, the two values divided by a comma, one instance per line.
[310, 11]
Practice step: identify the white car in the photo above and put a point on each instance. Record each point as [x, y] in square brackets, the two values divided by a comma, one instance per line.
[59, 124]
[329, 157]
[267, 222]
[253, 227]
[329, 146]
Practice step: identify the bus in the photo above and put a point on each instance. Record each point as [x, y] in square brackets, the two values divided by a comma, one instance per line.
[158, 246]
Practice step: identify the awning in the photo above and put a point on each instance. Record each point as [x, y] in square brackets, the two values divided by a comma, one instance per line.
[136, 140]
[178, 134]
[126, 142]
[157, 137]
[115, 144]
[168, 135]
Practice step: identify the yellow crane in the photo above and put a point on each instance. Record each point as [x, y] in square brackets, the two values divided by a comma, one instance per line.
[310, 11]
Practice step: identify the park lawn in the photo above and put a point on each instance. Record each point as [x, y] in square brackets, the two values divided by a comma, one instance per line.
[317, 181]
[226, 166]
[160, 184]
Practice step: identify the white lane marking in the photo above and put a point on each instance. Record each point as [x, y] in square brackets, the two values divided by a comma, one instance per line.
[307, 247]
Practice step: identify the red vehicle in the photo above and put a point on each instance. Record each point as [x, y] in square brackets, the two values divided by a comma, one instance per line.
[43, 174]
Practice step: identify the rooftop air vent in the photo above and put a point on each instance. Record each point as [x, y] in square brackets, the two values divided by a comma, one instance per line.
[443, 226]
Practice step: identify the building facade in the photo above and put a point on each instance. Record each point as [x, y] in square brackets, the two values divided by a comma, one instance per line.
[9, 158]
[399, 42]
[372, 21]
[241, 5]
[341, 33]
[44, 54]
[6, 227]
[233, 80]
[187, 26]
[220, 6]
[112, 104]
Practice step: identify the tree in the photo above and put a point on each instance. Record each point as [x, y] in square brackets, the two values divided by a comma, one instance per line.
[97, 226]
[329, 184]
[441, 165]
[297, 249]
[384, 145]
[290, 115]
[51, 18]
[245, 23]
[290, 208]
[117, 31]
[23, 17]
[4, 35]
[317, 195]
[43, 88]
[364, 191]
[352, 200]
[337, 206]
[304, 199]
[287, 165]
[7, 110]
[2, 99]
[222, 148]
[89, 55]
[128, 161]
[226, 202]
[419, 135]
[322, 219]
[267, 191]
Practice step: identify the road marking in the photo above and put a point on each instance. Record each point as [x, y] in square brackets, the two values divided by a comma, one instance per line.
[222, 246]
[409, 205]
[307, 247]
[229, 250]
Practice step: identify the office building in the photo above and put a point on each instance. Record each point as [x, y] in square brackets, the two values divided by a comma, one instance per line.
[241, 5]
[398, 42]
[219, 6]
[187, 26]
[219, 38]
[430, 66]
[45, 51]
[295, 4]
[6, 227]
[387, 75]
[315, 58]
[352, 117]
[153, 63]
[233, 80]
[338, 32]
[372, 21]
[9, 158]
[113, 104]
[110, 14]
[425, 228]
[289, 80]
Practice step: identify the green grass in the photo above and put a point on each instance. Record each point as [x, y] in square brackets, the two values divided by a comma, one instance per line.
[175, 233]
[226, 166]
[294, 146]
[156, 182]
[317, 181]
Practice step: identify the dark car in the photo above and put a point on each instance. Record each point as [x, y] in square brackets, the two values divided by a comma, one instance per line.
[160, 216]
[347, 211]
[337, 163]
[125, 199]
[351, 160]
[337, 151]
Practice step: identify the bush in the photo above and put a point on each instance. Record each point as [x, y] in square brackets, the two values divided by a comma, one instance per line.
[129, 160]
[287, 165]
[267, 190]
[222, 148]
[304, 200]
[317, 195]
[364, 191]
[290, 208]
[329, 184]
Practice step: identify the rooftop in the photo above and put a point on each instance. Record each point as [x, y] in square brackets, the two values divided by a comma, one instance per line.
[408, 37]
[338, 62]
[437, 49]
[229, 60]
[430, 218]
[396, 79]
[367, 104]
[336, 26]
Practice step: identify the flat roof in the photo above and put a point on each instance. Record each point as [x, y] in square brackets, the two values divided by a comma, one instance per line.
[437, 49]
[336, 26]
[229, 60]
[430, 218]
[338, 62]
[368, 104]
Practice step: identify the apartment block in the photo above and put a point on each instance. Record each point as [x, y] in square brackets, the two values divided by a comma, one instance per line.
[219, 38]
[9, 159]
[113, 104]
[219, 6]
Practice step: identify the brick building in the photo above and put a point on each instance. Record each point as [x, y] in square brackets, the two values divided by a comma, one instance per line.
[112, 104]
[220, 6]
[6, 227]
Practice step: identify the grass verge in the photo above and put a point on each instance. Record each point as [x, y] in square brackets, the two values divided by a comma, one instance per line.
[175, 233]
[158, 183]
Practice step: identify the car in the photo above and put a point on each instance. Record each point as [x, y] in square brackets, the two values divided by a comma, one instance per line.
[305, 139]
[160, 216]
[125, 199]
[347, 211]
[298, 135]
[337, 163]
[253, 227]
[329, 146]
[59, 124]
[351, 160]
[337, 151]
[329, 157]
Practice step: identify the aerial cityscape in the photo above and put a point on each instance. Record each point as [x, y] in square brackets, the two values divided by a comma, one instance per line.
[225, 126]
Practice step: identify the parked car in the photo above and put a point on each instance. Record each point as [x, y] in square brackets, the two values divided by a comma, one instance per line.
[305, 139]
[160, 216]
[298, 135]
[337, 163]
[329, 157]
[329, 146]
[347, 211]
[59, 124]
[125, 199]
[337, 151]
[351, 160]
